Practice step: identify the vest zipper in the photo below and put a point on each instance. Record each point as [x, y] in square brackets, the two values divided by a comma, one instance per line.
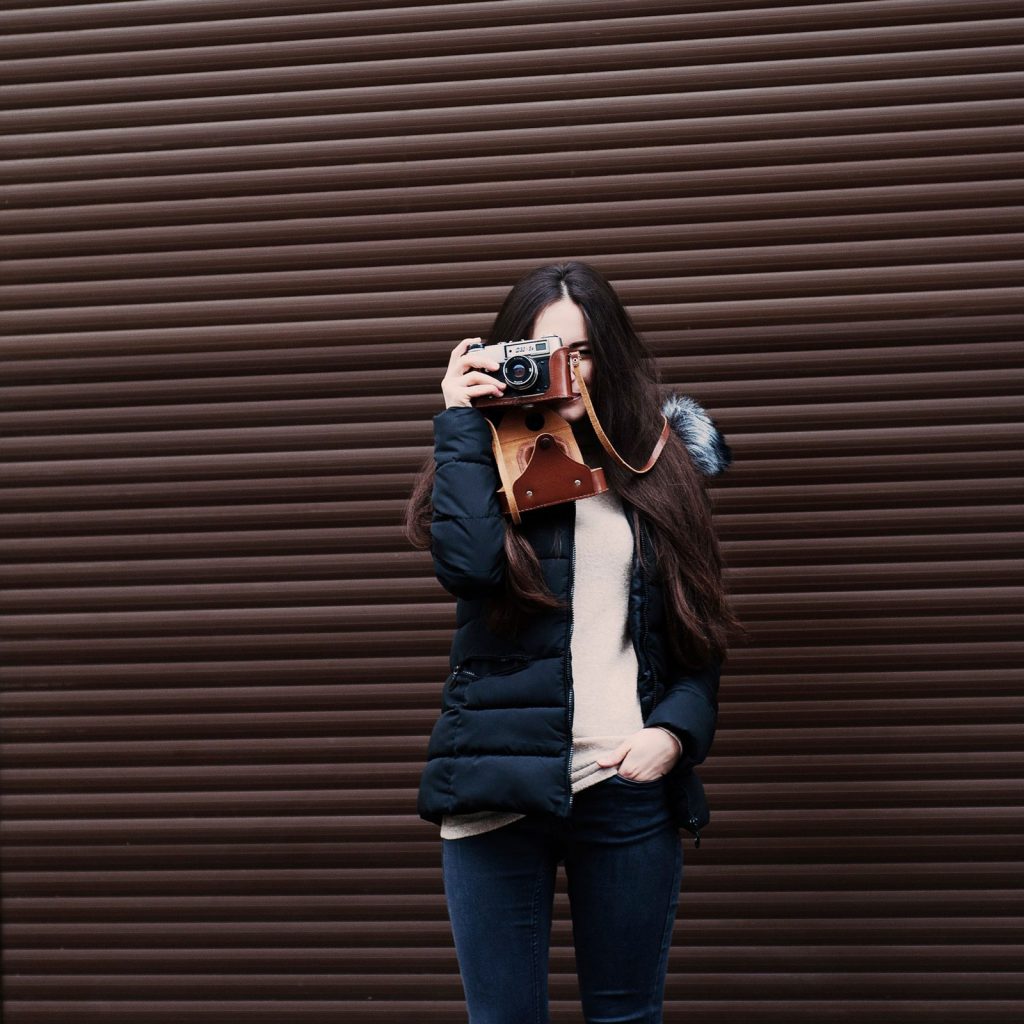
[638, 569]
[643, 602]
[568, 653]
[641, 537]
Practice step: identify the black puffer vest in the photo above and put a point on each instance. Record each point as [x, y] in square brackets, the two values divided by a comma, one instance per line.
[503, 740]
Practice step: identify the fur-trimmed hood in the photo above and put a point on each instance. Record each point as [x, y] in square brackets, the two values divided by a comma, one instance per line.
[697, 430]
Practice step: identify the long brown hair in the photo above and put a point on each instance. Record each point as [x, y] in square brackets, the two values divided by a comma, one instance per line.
[672, 496]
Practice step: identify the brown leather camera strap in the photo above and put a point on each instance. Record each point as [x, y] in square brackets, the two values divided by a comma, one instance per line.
[552, 463]
[506, 477]
[574, 362]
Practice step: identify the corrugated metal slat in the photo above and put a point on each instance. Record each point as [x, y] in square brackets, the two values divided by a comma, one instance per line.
[239, 245]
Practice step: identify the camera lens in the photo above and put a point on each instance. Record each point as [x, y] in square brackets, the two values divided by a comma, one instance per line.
[520, 371]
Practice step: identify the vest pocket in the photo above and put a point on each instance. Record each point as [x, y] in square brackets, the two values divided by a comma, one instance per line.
[451, 691]
[496, 665]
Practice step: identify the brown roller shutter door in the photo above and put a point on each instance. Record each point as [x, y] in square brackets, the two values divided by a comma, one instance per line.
[240, 241]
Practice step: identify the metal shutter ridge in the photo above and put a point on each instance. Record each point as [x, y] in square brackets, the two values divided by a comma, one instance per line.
[241, 241]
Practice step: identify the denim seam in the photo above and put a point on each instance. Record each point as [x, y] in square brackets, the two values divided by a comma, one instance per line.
[666, 936]
[534, 935]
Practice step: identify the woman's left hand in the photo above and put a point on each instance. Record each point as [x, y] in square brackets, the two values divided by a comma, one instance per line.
[644, 756]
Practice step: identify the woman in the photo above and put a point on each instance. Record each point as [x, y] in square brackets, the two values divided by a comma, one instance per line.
[584, 669]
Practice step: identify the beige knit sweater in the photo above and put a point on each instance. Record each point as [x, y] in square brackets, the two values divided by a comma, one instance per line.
[606, 706]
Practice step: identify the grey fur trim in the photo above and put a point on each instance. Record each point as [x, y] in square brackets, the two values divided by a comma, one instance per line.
[698, 432]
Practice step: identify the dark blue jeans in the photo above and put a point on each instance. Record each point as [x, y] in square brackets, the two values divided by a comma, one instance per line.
[623, 860]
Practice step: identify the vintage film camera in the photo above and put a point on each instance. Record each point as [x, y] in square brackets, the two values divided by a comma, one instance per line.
[537, 455]
[534, 369]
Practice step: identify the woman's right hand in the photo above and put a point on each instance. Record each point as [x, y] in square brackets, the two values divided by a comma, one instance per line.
[462, 383]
